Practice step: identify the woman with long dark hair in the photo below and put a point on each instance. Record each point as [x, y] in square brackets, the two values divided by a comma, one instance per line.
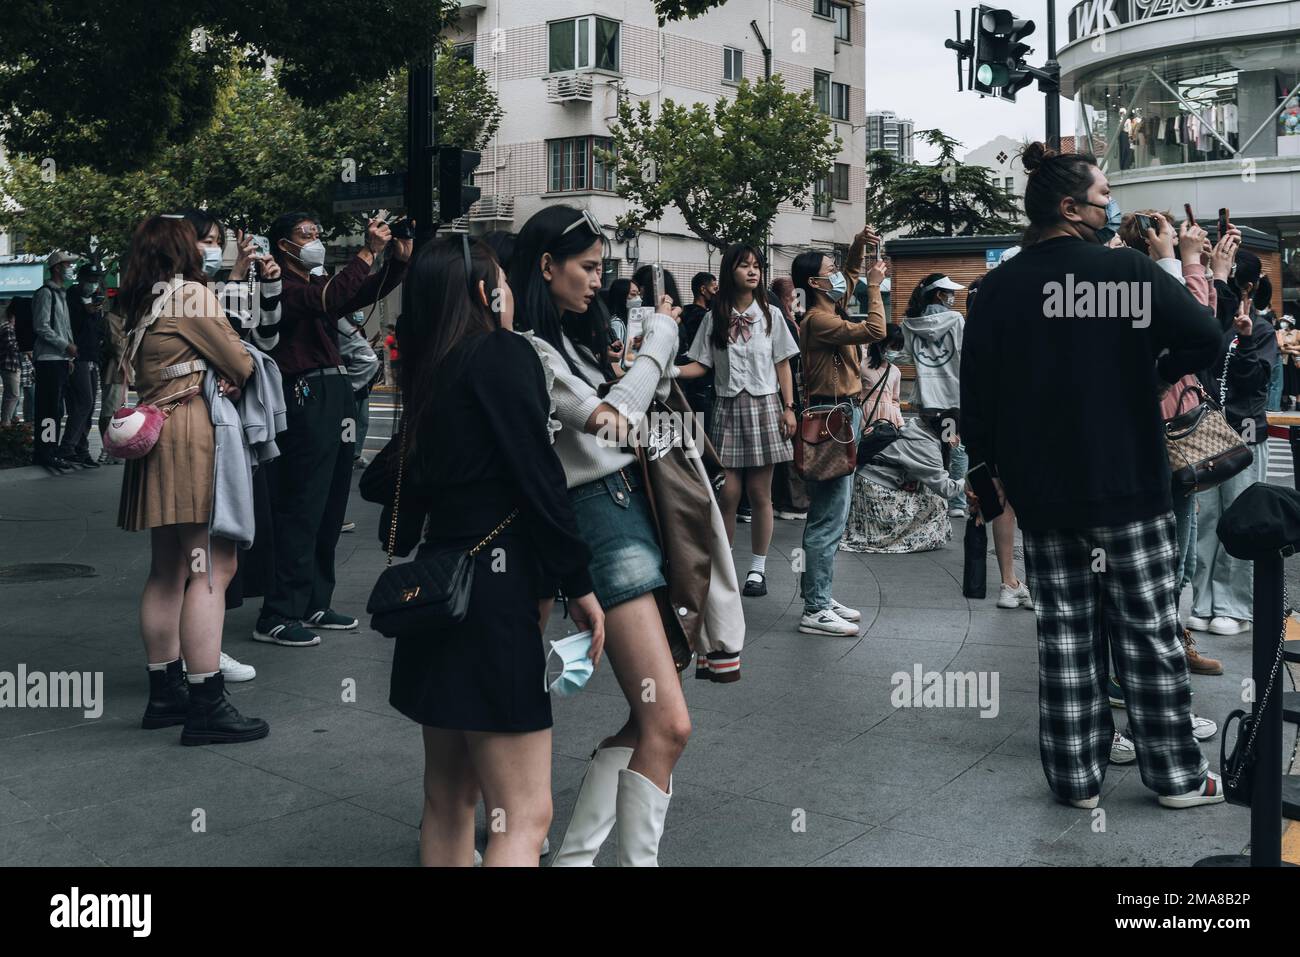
[831, 349]
[556, 279]
[749, 346]
[175, 330]
[477, 450]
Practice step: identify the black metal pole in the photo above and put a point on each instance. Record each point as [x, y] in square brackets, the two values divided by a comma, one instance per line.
[421, 148]
[1266, 793]
[1053, 90]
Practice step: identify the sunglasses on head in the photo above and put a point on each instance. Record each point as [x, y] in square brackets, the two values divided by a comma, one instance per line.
[592, 223]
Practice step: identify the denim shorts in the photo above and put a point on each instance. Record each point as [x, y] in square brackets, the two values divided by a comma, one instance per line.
[615, 520]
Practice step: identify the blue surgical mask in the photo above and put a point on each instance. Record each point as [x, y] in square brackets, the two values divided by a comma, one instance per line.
[211, 260]
[839, 286]
[573, 651]
[1114, 219]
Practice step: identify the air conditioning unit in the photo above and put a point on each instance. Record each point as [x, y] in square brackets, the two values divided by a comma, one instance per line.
[490, 209]
[569, 88]
[473, 6]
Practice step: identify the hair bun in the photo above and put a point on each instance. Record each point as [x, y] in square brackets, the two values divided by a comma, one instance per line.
[1034, 155]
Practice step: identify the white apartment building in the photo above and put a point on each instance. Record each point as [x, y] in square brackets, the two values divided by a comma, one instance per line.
[886, 130]
[558, 66]
[1001, 157]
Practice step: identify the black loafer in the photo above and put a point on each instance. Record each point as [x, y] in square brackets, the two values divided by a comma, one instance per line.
[755, 589]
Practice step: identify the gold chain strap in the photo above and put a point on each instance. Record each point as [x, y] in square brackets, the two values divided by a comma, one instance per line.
[397, 498]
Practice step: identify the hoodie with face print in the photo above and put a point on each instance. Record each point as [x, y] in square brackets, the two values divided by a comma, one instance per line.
[934, 340]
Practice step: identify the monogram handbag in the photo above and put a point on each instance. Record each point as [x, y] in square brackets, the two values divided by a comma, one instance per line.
[825, 446]
[431, 592]
[1204, 450]
[878, 434]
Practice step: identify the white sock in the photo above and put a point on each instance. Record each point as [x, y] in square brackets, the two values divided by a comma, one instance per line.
[758, 564]
[161, 665]
[198, 679]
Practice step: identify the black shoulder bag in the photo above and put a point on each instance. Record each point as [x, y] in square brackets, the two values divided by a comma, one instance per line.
[431, 592]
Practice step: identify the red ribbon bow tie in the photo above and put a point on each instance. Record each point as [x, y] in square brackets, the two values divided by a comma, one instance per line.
[740, 326]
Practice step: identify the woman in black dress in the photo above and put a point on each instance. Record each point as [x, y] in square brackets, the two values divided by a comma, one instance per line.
[477, 448]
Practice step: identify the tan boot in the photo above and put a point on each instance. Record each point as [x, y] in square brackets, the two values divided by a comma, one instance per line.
[593, 815]
[1197, 662]
[642, 808]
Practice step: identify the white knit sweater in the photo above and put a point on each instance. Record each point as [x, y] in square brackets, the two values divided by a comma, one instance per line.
[587, 457]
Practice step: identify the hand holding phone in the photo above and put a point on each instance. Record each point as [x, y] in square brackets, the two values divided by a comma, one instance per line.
[1224, 224]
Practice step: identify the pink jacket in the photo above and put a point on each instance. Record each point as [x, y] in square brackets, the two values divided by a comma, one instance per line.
[890, 401]
[1200, 286]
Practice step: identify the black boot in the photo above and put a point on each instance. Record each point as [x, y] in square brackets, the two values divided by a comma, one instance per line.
[214, 720]
[169, 698]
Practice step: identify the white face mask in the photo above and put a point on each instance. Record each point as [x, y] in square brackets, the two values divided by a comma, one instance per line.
[211, 260]
[312, 255]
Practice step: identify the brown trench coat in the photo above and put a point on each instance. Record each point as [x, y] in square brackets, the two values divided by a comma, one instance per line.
[172, 485]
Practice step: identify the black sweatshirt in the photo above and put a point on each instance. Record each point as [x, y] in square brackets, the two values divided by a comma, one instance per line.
[1063, 406]
[1249, 372]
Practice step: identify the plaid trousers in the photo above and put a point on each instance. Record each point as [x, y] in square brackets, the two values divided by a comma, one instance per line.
[1114, 582]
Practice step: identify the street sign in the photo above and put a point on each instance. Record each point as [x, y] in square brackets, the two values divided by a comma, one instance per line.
[992, 257]
[371, 192]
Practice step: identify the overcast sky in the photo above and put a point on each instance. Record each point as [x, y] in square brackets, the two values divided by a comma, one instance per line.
[910, 71]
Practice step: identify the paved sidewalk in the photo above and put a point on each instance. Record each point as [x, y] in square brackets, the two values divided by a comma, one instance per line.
[804, 761]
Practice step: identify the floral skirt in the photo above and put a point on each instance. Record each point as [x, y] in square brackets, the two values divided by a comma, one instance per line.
[892, 520]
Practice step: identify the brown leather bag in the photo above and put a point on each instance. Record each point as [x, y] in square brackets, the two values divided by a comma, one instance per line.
[825, 446]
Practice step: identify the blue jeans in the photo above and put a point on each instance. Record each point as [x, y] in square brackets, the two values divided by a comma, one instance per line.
[958, 465]
[1223, 585]
[828, 513]
[1185, 524]
[1275, 388]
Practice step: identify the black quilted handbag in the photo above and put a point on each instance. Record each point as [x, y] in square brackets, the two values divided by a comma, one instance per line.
[431, 592]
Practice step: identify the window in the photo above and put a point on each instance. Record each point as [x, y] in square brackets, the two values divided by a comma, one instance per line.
[464, 51]
[1010, 185]
[822, 8]
[840, 181]
[733, 65]
[582, 43]
[573, 165]
[822, 198]
[822, 90]
[840, 14]
[840, 101]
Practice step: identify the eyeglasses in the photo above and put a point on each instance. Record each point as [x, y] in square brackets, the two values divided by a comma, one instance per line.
[307, 232]
[592, 223]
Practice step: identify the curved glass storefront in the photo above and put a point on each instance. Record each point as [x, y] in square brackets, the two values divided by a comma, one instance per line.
[1228, 101]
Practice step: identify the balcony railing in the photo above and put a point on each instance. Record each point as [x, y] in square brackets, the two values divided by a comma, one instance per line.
[493, 209]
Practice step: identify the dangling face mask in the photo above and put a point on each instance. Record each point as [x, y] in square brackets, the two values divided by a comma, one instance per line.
[1114, 219]
[211, 260]
[573, 652]
[839, 286]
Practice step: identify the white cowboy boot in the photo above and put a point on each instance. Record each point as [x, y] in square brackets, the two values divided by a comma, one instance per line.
[641, 811]
[593, 815]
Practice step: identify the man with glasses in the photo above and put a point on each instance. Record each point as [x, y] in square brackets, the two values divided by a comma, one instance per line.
[313, 473]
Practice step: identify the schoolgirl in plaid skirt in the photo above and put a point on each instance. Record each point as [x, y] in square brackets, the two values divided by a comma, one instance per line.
[749, 346]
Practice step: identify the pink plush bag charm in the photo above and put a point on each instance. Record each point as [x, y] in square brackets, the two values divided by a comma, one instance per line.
[132, 433]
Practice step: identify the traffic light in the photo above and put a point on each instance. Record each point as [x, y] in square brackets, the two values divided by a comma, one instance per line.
[455, 198]
[1000, 50]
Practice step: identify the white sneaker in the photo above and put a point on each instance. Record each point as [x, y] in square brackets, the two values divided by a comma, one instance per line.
[1222, 625]
[955, 512]
[845, 612]
[233, 670]
[1122, 750]
[1203, 728]
[826, 622]
[1087, 803]
[1210, 792]
[1198, 624]
[1017, 597]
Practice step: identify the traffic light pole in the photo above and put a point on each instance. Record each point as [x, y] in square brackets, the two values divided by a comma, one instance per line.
[421, 147]
[1052, 88]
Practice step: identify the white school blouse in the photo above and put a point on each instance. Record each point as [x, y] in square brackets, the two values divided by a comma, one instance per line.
[746, 366]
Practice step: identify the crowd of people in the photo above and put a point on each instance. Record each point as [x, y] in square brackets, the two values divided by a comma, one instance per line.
[528, 383]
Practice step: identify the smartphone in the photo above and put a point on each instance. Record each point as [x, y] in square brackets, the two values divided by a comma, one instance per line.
[1187, 208]
[262, 245]
[1145, 223]
[981, 482]
[1223, 221]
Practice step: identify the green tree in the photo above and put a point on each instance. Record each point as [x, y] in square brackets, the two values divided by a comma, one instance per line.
[944, 198]
[726, 168]
[684, 9]
[263, 153]
[110, 85]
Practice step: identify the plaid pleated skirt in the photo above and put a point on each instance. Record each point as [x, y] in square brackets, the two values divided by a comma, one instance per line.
[746, 431]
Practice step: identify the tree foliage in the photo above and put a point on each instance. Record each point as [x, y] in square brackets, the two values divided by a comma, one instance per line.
[263, 153]
[110, 85]
[726, 168]
[684, 9]
[945, 198]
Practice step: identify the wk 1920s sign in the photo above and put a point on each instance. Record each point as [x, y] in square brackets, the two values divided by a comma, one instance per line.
[1097, 16]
